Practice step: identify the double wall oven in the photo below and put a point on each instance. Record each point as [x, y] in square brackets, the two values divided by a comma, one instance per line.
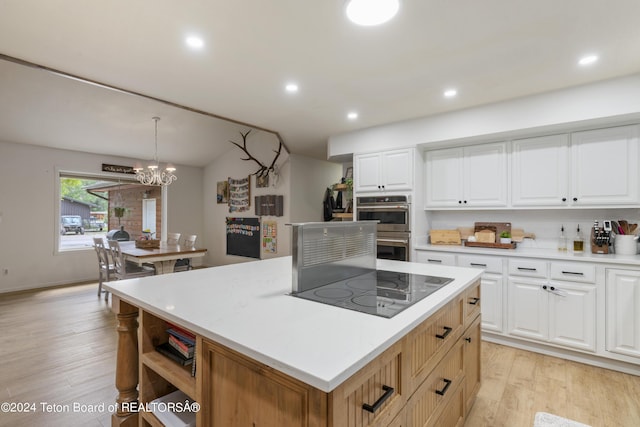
[394, 230]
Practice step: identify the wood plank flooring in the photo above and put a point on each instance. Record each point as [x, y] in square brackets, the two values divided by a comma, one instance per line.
[58, 346]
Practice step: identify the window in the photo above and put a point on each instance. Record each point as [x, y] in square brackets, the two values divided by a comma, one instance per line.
[86, 208]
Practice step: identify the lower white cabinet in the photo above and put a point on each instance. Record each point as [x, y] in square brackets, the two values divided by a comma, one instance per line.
[558, 312]
[623, 312]
[491, 288]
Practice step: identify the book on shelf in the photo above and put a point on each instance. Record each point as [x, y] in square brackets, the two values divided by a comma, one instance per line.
[174, 354]
[185, 349]
[193, 365]
[184, 418]
[180, 333]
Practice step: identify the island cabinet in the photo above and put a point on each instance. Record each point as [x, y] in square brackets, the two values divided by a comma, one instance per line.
[428, 378]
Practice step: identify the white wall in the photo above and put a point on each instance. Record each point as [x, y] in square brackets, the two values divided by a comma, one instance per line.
[602, 102]
[28, 226]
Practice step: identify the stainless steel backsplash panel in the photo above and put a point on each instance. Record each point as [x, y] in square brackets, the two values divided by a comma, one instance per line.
[327, 252]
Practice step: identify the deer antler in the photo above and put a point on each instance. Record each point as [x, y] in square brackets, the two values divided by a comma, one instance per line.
[263, 170]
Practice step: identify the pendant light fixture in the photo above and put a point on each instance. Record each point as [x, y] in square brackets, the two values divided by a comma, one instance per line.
[371, 12]
[153, 175]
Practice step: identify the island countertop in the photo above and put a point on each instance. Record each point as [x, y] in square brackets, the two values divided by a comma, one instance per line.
[246, 307]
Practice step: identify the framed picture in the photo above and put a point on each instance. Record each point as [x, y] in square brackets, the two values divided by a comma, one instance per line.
[262, 181]
[222, 192]
[349, 173]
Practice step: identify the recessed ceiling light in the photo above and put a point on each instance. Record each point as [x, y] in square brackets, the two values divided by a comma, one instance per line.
[588, 60]
[194, 42]
[450, 93]
[291, 87]
[371, 12]
[352, 115]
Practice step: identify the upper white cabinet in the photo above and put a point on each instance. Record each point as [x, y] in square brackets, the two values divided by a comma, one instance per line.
[385, 171]
[474, 176]
[540, 171]
[590, 168]
[605, 166]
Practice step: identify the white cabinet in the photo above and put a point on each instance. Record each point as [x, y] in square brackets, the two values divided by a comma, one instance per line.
[428, 257]
[623, 312]
[474, 176]
[559, 312]
[589, 168]
[540, 171]
[385, 171]
[605, 166]
[491, 288]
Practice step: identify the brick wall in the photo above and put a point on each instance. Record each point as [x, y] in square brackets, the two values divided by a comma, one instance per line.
[131, 198]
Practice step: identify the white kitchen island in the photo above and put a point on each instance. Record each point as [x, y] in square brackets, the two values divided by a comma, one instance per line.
[244, 310]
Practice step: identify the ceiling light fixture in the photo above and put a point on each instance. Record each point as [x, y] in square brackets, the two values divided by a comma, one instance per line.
[291, 87]
[371, 12]
[450, 93]
[194, 42]
[352, 115]
[588, 60]
[153, 175]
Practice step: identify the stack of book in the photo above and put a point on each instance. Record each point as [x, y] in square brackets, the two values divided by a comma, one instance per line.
[180, 347]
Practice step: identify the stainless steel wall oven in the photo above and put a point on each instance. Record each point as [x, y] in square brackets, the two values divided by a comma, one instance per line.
[394, 225]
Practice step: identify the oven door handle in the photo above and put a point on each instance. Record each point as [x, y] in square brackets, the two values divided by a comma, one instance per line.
[386, 207]
[400, 241]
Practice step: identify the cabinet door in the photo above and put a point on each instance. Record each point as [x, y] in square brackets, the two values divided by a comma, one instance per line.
[605, 166]
[485, 175]
[367, 172]
[397, 170]
[540, 171]
[444, 178]
[472, 373]
[623, 312]
[238, 391]
[572, 315]
[528, 308]
[491, 290]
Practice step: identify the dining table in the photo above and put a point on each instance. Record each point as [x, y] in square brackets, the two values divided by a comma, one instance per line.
[163, 257]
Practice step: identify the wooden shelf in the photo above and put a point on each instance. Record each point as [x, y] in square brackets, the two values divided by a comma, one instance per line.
[179, 376]
[340, 187]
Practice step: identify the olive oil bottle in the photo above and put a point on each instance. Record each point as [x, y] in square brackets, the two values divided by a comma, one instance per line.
[578, 241]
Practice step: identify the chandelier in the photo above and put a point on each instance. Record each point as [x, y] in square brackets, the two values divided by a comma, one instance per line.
[153, 175]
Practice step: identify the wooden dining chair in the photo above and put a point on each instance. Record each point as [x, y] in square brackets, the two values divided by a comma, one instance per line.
[125, 269]
[106, 268]
[184, 264]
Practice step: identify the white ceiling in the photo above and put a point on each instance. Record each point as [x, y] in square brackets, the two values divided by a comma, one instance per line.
[490, 50]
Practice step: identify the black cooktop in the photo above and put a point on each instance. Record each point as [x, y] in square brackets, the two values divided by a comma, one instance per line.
[380, 292]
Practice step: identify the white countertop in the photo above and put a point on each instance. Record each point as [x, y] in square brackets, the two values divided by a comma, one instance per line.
[246, 308]
[529, 252]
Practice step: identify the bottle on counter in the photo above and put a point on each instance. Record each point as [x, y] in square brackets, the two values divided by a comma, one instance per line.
[562, 241]
[578, 241]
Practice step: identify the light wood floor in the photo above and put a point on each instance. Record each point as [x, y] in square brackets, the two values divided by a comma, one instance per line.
[58, 346]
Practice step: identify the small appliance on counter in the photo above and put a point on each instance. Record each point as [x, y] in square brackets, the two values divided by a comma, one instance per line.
[601, 237]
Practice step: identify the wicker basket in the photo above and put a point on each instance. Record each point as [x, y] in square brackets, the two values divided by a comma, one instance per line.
[148, 244]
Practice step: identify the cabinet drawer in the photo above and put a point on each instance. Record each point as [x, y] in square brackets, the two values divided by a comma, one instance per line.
[529, 268]
[374, 395]
[573, 271]
[489, 264]
[471, 303]
[429, 341]
[435, 258]
[432, 399]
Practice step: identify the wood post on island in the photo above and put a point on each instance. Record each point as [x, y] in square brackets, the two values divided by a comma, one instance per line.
[126, 364]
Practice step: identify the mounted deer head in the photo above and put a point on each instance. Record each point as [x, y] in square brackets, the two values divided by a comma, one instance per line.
[264, 170]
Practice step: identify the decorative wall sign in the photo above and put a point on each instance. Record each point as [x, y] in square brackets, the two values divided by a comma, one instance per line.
[239, 194]
[117, 169]
[270, 237]
[222, 192]
[270, 205]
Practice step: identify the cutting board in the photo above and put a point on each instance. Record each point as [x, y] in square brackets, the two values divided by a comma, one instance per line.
[496, 227]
